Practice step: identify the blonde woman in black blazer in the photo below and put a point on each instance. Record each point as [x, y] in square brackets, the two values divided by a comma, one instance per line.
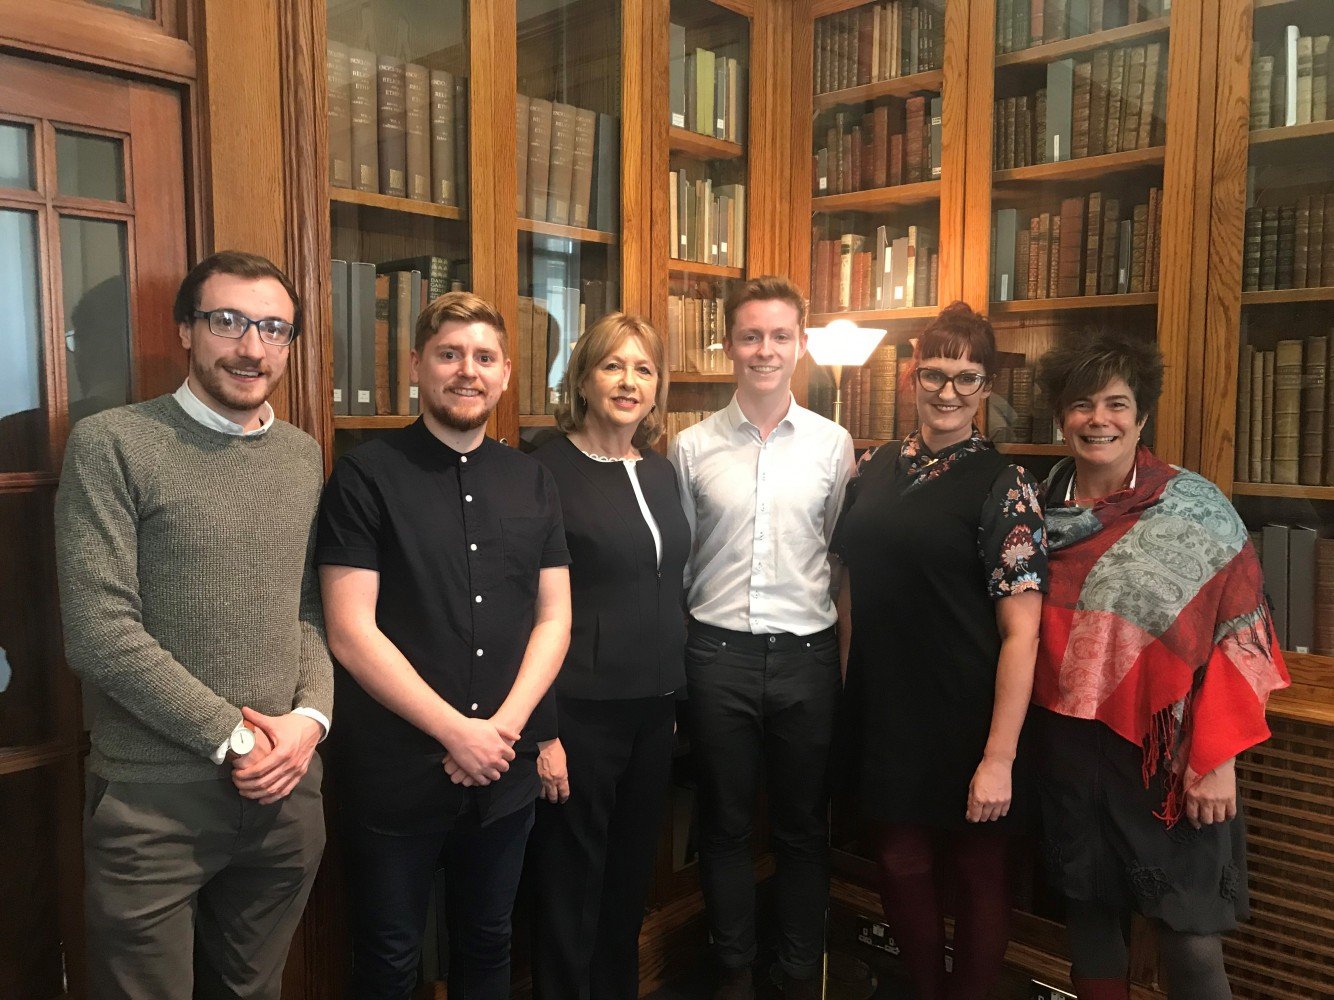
[604, 781]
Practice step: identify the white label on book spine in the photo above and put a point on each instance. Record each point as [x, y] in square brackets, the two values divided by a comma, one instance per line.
[720, 125]
[1005, 288]
[723, 247]
[363, 395]
[678, 120]
[412, 392]
[338, 395]
[824, 183]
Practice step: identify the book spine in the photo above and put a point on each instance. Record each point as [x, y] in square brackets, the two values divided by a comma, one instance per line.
[365, 133]
[1244, 415]
[1287, 410]
[539, 156]
[560, 178]
[341, 397]
[1314, 354]
[339, 115]
[443, 189]
[392, 123]
[361, 339]
[417, 83]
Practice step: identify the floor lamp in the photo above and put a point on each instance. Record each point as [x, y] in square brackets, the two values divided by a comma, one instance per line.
[841, 344]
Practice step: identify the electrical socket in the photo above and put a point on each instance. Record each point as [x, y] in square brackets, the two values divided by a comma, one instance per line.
[875, 934]
[1041, 991]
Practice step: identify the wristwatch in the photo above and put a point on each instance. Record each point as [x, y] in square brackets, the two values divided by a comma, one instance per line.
[242, 740]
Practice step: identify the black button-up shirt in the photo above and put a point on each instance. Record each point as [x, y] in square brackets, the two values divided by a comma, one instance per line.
[458, 541]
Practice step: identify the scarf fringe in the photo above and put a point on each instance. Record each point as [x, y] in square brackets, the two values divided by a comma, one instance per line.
[1162, 748]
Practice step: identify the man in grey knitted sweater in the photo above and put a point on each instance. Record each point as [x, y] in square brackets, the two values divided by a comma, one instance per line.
[192, 614]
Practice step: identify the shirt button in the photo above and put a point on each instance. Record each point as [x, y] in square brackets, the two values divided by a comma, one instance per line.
[479, 652]
[474, 706]
[473, 547]
[478, 598]
[468, 497]
[463, 459]
[773, 639]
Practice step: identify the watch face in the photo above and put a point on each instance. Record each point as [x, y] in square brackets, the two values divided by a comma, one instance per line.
[243, 741]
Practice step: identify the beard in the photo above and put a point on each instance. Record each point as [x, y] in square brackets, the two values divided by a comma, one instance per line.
[456, 418]
[216, 383]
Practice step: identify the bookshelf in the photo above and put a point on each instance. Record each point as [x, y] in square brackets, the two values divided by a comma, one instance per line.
[703, 245]
[398, 101]
[888, 92]
[569, 144]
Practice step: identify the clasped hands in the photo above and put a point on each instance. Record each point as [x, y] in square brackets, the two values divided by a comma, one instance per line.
[479, 751]
[284, 745]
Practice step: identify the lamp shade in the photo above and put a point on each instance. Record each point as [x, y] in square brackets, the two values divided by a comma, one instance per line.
[842, 343]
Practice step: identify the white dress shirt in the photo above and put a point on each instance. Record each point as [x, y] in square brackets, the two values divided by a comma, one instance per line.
[214, 420]
[761, 514]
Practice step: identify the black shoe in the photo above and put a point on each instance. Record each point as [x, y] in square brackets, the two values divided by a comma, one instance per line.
[801, 989]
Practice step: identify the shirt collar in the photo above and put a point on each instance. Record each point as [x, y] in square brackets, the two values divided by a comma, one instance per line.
[214, 420]
[1070, 489]
[738, 419]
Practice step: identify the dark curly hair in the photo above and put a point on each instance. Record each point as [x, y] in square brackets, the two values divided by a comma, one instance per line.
[958, 332]
[1084, 362]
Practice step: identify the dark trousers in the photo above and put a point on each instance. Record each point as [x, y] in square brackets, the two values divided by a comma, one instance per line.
[390, 879]
[594, 853]
[762, 708]
[191, 890]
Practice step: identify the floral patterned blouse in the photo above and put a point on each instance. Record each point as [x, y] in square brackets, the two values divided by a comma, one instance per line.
[1011, 539]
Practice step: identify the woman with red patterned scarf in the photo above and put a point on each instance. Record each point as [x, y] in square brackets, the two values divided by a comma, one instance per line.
[1157, 654]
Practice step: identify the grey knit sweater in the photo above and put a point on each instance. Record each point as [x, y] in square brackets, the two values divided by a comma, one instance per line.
[187, 585]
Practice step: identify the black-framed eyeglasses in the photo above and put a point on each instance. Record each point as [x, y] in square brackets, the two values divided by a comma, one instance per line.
[965, 383]
[232, 324]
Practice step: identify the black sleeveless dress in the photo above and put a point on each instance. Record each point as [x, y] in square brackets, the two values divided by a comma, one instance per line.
[929, 551]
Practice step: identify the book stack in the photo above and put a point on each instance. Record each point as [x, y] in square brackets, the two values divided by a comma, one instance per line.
[375, 308]
[1292, 557]
[871, 397]
[696, 328]
[1292, 86]
[559, 310]
[679, 420]
[566, 160]
[1013, 414]
[1289, 245]
[707, 88]
[879, 41]
[891, 268]
[1022, 23]
[1088, 245]
[708, 220]
[395, 127]
[1112, 101]
[896, 142]
[1284, 433]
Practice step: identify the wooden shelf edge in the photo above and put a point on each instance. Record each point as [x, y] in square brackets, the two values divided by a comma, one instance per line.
[899, 86]
[388, 203]
[380, 422]
[1027, 448]
[1297, 706]
[698, 146]
[566, 232]
[1290, 133]
[1123, 301]
[917, 193]
[1283, 491]
[875, 315]
[16, 759]
[1084, 167]
[537, 420]
[1274, 296]
[27, 480]
[677, 266]
[700, 378]
[1050, 51]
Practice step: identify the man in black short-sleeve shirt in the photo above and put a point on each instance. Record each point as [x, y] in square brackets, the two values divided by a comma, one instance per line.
[442, 559]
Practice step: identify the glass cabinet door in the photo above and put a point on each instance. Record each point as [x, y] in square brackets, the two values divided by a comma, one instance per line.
[707, 176]
[568, 121]
[398, 77]
[1079, 133]
[878, 157]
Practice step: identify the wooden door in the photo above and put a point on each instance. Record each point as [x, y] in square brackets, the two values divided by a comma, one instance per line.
[92, 247]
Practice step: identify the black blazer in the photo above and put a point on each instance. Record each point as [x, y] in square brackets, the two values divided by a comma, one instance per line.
[628, 637]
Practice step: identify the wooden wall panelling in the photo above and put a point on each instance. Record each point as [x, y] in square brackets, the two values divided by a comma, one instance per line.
[801, 142]
[656, 126]
[954, 142]
[981, 85]
[641, 180]
[86, 33]
[1227, 214]
[769, 147]
[305, 126]
[492, 93]
[1183, 235]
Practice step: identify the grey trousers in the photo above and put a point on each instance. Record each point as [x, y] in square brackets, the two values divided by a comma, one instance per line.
[192, 891]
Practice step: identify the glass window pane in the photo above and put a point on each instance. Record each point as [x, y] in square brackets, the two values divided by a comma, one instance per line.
[97, 314]
[23, 427]
[142, 7]
[16, 156]
[90, 166]
[29, 629]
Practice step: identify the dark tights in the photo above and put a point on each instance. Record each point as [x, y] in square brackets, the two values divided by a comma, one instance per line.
[1192, 964]
[911, 858]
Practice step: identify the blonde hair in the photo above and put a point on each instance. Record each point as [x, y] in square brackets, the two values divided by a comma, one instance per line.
[459, 307]
[605, 338]
[763, 289]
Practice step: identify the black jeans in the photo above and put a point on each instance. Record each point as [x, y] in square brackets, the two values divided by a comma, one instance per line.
[593, 855]
[390, 879]
[762, 706]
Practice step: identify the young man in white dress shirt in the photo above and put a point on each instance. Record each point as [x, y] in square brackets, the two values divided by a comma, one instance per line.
[762, 482]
